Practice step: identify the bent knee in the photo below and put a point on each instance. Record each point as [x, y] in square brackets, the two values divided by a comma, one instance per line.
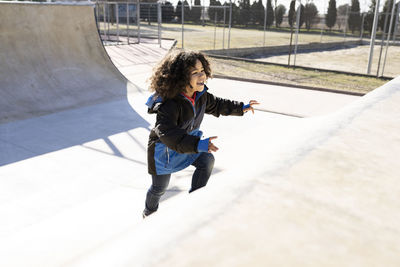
[210, 158]
[157, 190]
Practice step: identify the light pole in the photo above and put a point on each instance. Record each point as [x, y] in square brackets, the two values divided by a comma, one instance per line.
[323, 25]
[230, 24]
[297, 32]
[396, 24]
[265, 19]
[373, 35]
[182, 21]
[388, 37]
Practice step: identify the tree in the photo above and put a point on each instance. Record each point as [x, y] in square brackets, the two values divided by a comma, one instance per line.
[292, 13]
[342, 12]
[270, 14]
[291, 18]
[302, 15]
[369, 18]
[310, 14]
[330, 19]
[186, 11]
[280, 11]
[195, 12]
[235, 13]
[215, 11]
[257, 12]
[148, 12]
[244, 11]
[111, 14]
[167, 11]
[387, 9]
[178, 11]
[354, 19]
[275, 10]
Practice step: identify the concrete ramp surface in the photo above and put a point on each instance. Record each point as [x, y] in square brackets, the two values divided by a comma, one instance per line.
[52, 59]
[321, 192]
[285, 191]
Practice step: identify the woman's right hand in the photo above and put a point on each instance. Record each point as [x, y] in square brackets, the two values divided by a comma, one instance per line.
[211, 146]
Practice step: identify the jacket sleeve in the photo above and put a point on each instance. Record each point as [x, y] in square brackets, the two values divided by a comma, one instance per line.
[218, 106]
[170, 134]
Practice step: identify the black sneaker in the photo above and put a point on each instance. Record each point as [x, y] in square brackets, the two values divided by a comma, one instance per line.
[146, 213]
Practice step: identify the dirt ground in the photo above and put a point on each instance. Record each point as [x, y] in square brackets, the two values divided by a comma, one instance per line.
[297, 76]
[199, 37]
[354, 59]
[351, 60]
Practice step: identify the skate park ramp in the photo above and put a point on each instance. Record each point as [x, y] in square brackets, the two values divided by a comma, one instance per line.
[319, 191]
[51, 60]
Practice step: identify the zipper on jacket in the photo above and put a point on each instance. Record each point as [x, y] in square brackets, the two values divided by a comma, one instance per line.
[167, 157]
[194, 112]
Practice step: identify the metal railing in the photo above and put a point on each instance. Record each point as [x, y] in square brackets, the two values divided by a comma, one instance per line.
[228, 27]
[117, 19]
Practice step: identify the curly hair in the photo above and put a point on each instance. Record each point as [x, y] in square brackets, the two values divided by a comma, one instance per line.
[172, 75]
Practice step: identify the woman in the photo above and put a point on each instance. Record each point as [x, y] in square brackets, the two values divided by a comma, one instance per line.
[180, 101]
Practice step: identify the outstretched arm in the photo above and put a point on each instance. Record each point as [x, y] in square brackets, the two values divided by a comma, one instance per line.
[218, 106]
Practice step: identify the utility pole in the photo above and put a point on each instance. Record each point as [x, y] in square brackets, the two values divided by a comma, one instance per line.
[373, 35]
[265, 20]
[230, 24]
[297, 31]
[183, 25]
[388, 38]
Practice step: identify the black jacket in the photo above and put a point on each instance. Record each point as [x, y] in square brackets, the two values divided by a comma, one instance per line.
[176, 124]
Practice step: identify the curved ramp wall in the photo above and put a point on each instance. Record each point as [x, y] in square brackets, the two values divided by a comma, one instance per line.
[52, 60]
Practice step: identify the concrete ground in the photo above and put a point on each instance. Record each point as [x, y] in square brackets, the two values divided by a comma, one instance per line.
[68, 176]
[354, 59]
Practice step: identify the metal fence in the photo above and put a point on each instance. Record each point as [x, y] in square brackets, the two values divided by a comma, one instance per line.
[156, 20]
[228, 30]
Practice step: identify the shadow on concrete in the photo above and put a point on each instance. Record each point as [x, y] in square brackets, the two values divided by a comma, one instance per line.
[175, 190]
[304, 50]
[20, 140]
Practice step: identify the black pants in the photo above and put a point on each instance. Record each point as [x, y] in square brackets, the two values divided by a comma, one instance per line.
[204, 165]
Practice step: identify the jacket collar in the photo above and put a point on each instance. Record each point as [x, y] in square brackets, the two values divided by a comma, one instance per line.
[155, 99]
[198, 94]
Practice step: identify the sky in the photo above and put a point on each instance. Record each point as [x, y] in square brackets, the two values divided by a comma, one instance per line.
[321, 4]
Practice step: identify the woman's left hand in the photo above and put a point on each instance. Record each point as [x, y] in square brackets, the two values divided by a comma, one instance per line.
[250, 106]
